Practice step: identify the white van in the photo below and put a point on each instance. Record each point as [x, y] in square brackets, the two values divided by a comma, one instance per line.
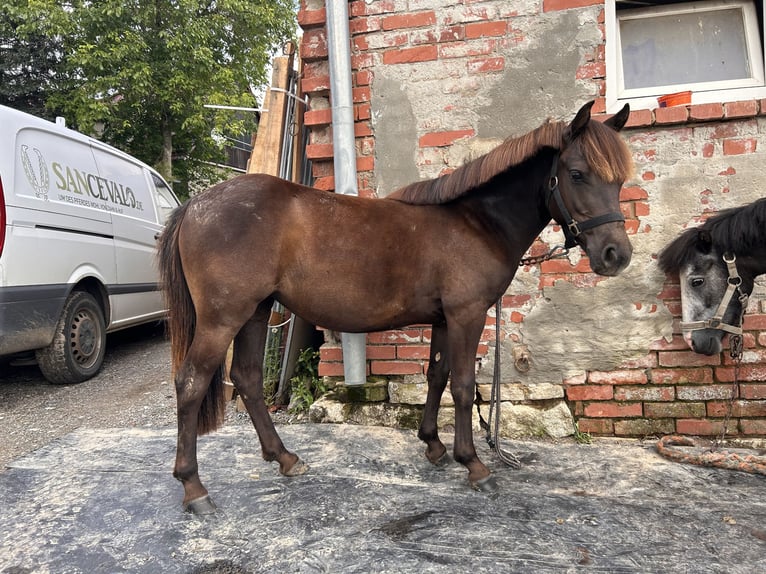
[78, 225]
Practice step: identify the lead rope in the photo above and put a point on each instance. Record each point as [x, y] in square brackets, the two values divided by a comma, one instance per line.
[493, 431]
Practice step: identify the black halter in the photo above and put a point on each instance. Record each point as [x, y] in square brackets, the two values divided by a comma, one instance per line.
[571, 227]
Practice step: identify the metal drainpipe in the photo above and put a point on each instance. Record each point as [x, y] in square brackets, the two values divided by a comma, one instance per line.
[344, 156]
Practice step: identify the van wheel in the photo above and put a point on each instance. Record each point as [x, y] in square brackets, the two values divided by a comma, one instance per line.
[77, 351]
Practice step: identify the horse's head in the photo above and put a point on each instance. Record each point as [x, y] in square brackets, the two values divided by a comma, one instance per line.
[712, 291]
[593, 164]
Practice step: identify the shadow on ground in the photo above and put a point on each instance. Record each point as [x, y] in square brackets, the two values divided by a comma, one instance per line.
[104, 501]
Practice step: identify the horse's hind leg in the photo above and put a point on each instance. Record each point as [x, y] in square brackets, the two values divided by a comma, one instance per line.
[205, 355]
[247, 376]
[438, 371]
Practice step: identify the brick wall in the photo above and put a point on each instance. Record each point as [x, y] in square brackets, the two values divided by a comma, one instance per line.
[662, 387]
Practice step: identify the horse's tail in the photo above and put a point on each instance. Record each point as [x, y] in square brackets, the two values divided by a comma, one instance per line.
[181, 322]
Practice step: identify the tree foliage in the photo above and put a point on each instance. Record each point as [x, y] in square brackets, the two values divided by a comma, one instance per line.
[139, 72]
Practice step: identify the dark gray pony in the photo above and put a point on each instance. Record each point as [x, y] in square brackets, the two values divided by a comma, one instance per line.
[717, 264]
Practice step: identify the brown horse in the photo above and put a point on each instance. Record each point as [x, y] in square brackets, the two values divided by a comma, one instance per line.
[440, 251]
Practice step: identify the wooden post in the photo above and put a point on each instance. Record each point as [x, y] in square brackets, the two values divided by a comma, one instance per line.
[267, 151]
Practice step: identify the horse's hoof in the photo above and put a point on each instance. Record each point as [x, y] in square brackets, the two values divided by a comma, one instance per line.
[201, 506]
[297, 469]
[443, 460]
[486, 484]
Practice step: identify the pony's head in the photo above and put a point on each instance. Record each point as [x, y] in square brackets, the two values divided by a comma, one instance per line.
[593, 163]
[706, 276]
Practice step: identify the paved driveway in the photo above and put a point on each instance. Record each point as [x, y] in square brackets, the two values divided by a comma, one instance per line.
[103, 501]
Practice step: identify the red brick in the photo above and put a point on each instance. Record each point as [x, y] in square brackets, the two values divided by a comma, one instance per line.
[596, 426]
[445, 138]
[515, 300]
[395, 368]
[752, 427]
[591, 70]
[590, 393]
[413, 351]
[644, 393]
[325, 183]
[632, 193]
[410, 55]
[311, 18]
[754, 391]
[738, 147]
[632, 377]
[703, 427]
[331, 353]
[675, 410]
[315, 84]
[706, 111]
[613, 410]
[674, 115]
[687, 359]
[480, 29]
[553, 5]
[330, 369]
[740, 109]
[365, 8]
[746, 373]
[703, 392]
[639, 118]
[677, 343]
[644, 427]
[486, 65]
[739, 408]
[675, 376]
[365, 163]
[363, 78]
[381, 352]
[319, 151]
[564, 266]
[318, 117]
[754, 322]
[362, 112]
[395, 337]
[411, 20]
[314, 44]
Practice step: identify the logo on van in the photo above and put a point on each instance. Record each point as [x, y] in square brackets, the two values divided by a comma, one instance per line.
[41, 183]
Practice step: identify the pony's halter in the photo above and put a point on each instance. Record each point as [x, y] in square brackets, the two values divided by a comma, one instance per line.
[571, 227]
[716, 321]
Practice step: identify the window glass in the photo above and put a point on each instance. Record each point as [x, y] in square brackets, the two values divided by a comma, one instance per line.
[684, 48]
[166, 200]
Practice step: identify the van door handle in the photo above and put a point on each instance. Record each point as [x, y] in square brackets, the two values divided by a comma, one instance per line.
[157, 235]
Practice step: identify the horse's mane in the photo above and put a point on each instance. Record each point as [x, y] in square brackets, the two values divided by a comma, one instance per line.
[734, 230]
[602, 147]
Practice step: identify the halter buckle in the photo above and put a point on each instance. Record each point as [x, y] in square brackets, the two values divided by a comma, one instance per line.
[574, 228]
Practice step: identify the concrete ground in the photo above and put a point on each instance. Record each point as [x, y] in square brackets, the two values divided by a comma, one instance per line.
[104, 501]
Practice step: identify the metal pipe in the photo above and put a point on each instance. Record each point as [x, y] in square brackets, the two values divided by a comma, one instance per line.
[344, 156]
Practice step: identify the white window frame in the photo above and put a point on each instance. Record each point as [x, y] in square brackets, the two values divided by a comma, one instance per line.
[702, 92]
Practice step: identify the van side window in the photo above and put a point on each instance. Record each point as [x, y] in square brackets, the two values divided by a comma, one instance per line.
[166, 201]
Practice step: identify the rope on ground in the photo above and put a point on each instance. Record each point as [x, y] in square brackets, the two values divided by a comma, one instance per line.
[668, 446]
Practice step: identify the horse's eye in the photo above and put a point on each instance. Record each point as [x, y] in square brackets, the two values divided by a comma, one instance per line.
[576, 176]
[697, 282]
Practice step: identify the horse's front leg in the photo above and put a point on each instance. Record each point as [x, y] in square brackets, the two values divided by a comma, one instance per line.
[463, 341]
[438, 371]
[247, 376]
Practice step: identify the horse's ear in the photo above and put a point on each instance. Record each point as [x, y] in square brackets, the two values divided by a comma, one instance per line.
[580, 121]
[618, 120]
[704, 241]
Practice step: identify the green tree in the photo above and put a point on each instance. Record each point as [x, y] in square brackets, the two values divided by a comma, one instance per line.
[142, 70]
[31, 67]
